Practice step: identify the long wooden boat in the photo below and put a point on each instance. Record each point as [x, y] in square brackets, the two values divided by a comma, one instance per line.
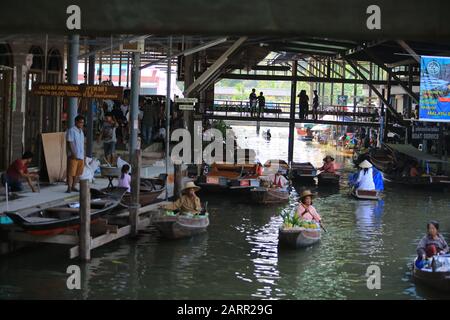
[150, 190]
[59, 218]
[436, 182]
[298, 237]
[366, 194]
[263, 195]
[328, 179]
[177, 227]
[303, 172]
[436, 280]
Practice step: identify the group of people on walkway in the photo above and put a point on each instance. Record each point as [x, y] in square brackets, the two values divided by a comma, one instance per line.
[304, 105]
[257, 104]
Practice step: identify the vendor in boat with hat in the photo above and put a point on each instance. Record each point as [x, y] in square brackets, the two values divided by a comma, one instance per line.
[189, 202]
[305, 210]
[365, 177]
[433, 243]
[328, 165]
[279, 181]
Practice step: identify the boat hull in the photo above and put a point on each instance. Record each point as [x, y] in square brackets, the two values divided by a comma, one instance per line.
[298, 238]
[328, 179]
[366, 194]
[178, 227]
[269, 196]
[437, 280]
[57, 219]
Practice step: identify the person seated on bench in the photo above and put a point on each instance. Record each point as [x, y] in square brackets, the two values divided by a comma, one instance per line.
[18, 171]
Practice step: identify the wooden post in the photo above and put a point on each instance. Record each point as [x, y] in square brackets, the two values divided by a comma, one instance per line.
[292, 112]
[178, 180]
[135, 189]
[85, 221]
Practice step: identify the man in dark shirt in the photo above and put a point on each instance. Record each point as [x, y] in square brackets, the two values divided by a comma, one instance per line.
[261, 104]
[17, 171]
[253, 100]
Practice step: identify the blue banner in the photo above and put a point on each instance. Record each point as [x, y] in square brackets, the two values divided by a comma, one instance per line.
[434, 89]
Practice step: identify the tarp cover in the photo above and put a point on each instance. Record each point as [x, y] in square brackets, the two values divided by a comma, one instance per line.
[412, 152]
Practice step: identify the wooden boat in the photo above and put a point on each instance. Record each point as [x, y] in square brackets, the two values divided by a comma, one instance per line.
[431, 182]
[263, 195]
[303, 172]
[366, 194]
[306, 138]
[436, 280]
[298, 237]
[150, 190]
[59, 218]
[176, 227]
[328, 179]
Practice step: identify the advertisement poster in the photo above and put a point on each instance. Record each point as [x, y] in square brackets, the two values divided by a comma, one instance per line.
[435, 89]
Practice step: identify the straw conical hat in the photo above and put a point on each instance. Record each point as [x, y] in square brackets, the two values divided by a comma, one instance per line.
[190, 185]
[306, 193]
[365, 164]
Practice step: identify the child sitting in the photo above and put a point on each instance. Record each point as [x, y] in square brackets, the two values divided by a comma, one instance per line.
[125, 178]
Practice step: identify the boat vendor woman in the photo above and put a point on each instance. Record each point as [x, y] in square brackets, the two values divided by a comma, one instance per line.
[188, 202]
[433, 243]
[279, 181]
[365, 177]
[305, 209]
[328, 165]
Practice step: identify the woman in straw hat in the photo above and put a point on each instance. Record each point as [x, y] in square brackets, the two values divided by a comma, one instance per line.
[328, 165]
[188, 202]
[305, 209]
[365, 177]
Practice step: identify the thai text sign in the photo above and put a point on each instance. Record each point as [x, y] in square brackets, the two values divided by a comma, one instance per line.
[425, 133]
[434, 89]
[78, 91]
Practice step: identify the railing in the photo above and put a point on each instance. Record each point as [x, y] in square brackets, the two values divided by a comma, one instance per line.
[281, 110]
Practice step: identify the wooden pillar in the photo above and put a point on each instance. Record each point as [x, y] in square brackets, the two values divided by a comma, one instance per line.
[135, 189]
[178, 180]
[85, 221]
[292, 114]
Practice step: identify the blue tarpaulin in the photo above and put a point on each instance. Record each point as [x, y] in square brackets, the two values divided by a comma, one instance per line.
[377, 179]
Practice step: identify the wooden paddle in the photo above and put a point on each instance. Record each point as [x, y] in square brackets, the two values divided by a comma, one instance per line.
[323, 227]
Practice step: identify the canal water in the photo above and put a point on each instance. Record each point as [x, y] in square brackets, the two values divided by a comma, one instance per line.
[239, 258]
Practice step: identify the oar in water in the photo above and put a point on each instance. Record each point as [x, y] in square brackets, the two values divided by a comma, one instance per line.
[321, 225]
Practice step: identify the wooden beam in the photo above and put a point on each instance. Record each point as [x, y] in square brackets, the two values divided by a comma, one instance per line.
[408, 49]
[85, 221]
[57, 239]
[109, 237]
[304, 79]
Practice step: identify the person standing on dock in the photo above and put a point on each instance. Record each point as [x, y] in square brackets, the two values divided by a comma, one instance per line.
[189, 202]
[303, 104]
[108, 136]
[75, 153]
[261, 104]
[148, 121]
[315, 105]
[253, 100]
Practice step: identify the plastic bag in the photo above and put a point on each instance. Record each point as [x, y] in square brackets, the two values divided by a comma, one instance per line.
[91, 165]
[121, 163]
